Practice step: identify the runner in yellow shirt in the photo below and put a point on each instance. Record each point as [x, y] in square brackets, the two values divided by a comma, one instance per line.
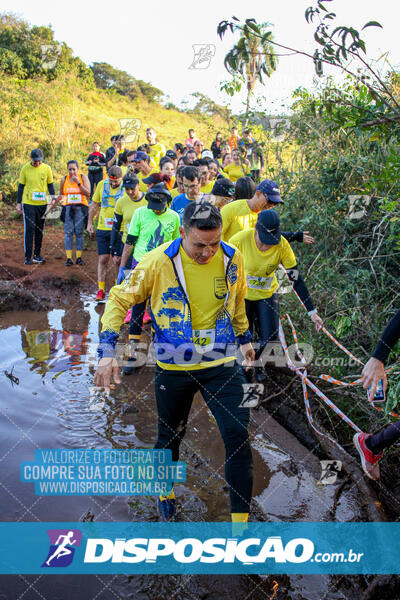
[264, 248]
[35, 180]
[107, 193]
[142, 164]
[205, 184]
[157, 150]
[242, 214]
[239, 167]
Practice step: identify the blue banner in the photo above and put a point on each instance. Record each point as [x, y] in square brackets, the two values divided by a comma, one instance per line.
[186, 548]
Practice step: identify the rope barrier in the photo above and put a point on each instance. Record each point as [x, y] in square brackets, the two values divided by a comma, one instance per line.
[305, 382]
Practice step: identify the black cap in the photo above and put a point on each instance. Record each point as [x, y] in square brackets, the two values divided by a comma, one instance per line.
[268, 227]
[37, 154]
[171, 154]
[223, 187]
[157, 197]
[130, 182]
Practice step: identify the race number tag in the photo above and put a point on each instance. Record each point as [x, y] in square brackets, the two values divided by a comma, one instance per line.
[259, 283]
[203, 340]
[74, 198]
[108, 223]
[38, 196]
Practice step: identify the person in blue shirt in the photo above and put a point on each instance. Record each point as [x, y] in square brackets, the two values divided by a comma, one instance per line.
[191, 184]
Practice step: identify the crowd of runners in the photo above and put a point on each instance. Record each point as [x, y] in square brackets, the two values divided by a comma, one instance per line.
[195, 238]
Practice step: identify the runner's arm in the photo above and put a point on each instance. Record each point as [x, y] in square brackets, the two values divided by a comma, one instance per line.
[129, 246]
[116, 228]
[293, 236]
[300, 287]
[135, 289]
[20, 193]
[85, 188]
[50, 187]
[388, 339]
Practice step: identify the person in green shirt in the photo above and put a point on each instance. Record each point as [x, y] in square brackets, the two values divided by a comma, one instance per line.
[35, 180]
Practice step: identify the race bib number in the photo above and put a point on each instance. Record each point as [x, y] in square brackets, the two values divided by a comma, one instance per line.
[259, 283]
[203, 340]
[38, 196]
[74, 198]
[108, 223]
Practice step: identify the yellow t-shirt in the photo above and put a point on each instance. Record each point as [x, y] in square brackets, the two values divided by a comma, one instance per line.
[106, 215]
[157, 151]
[206, 189]
[126, 207]
[35, 180]
[234, 172]
[206, 289]
[236, 216]
[143, 186]
[174, 192]
[260, 266]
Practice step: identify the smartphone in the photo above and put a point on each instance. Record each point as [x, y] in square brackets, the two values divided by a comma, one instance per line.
[379, 394]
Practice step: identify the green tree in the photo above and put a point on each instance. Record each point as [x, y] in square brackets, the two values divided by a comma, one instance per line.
[251, 58]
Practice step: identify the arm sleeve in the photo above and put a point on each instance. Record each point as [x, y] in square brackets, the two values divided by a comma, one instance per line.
[388, 338]
[135, 289]
[240, 323]
[50, 187]
[300, 287]
[131, 240]
[261, 160]
[293, 236]
[50, 178]
[116, 228]
[20, 193]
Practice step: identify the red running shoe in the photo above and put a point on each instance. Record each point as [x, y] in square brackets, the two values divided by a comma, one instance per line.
[369, 461]
[146, 318]
[100, 295]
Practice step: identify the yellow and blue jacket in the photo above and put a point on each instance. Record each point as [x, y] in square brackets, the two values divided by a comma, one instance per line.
[160, 277]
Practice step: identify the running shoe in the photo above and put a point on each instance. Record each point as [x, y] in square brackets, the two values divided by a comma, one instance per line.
[79, 261]
[68, 262]
[39, 259]
[28, 261]
[128, 316]
[369, 461]
[166, 507]
[100, 295]
[146, 318]
[131, 368]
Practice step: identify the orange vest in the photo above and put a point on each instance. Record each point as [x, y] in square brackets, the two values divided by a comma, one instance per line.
[73, 193]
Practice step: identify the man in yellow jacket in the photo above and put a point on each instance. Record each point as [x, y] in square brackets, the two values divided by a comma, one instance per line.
[196, 285]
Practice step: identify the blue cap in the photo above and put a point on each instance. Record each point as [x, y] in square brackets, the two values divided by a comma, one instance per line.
[268, 227]
[139, 155]
[270, 189]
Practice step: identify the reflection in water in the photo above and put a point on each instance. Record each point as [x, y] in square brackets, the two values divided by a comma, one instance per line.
[54, 357]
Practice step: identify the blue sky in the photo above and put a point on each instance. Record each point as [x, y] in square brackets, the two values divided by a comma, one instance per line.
[153, 41]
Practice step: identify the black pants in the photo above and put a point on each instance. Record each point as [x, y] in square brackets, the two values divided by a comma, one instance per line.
[381, 440]
[33, 224]
[263, 317]
[94, 178]
[221, 388]
[136, 322]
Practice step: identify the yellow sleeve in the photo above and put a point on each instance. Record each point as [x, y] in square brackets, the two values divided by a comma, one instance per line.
[226, 222]
[49, 175]
[240, 323]
[135, 289]
[235, 241]
[98, 192]
[22, 177]
[288, 258]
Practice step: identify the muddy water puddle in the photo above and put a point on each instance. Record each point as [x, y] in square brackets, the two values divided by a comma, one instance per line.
[52, 355]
